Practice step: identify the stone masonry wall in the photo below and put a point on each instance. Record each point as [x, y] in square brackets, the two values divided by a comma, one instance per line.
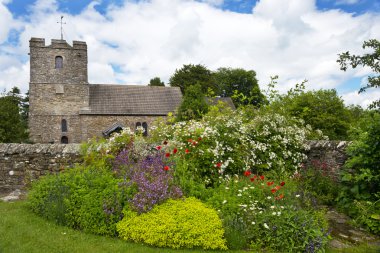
[22, 163]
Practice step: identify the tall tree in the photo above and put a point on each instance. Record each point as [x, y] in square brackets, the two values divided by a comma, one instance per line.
[239, 84]
[12, 126]
[193, 105]
[156, 82]
[190, 75]
[371, 60]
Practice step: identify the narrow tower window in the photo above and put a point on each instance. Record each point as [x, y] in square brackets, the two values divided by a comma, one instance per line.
[58, 62]
[145, 126]
[64, 140]
[64, 125]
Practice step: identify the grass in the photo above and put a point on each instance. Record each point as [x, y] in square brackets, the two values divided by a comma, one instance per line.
[23, 231]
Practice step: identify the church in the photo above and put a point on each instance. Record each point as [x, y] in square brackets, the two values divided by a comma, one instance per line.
[65, 108]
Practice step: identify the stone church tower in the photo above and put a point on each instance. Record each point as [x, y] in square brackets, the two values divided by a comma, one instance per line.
[58, 90]
[65, 108]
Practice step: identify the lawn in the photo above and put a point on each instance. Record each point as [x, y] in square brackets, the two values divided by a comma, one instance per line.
[22, 231]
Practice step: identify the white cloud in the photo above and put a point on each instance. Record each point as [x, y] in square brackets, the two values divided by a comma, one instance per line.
[145, 39]
[347, 2]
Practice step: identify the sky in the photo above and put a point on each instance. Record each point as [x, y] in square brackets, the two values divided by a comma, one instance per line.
[133, 41]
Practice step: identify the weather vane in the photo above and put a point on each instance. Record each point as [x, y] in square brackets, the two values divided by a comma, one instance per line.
[61, 27]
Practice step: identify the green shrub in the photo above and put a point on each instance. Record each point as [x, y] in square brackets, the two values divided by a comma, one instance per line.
[176, 224]
[82, 198]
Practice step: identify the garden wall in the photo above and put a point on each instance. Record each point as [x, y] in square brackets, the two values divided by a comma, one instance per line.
[22, 163]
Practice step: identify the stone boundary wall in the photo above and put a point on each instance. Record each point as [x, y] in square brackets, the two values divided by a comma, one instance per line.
[20, 164]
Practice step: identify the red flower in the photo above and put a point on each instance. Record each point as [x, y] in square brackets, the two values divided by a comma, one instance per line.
[282, 183]
[270, 183]
[187, 151]
[273, 190]
[175, 151]
[194, 143]
[167, 154]
[262, 177]
[189, 140]
[218, 165]
[199, 139]
[247, 173]
[252, 179]
[254, 176]
[280, 196]
[278, 187]
[166, 167]
[158, 147]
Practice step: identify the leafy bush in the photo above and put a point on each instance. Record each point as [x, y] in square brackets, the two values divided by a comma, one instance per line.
[319, 183]
[82, 198]
[264, 214]
[176, 224]
[361, 177]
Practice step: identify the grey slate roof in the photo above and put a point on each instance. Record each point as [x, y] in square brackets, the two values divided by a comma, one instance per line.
[132, 100]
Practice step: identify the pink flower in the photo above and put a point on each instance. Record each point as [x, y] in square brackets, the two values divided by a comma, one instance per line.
[158, 147]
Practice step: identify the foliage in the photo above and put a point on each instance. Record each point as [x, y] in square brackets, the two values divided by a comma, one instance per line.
[268, 215]
[156, 82]
[361, 178]
[176, 224]
[319, 182]
[151, 183]
[239, 84]
[193, 105]
[366, 60]
[190, 75]
[226, 142]
[321, 109]
[82, 198]
[13, 117]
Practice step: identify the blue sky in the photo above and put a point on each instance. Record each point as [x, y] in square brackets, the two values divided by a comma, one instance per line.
[131, 41]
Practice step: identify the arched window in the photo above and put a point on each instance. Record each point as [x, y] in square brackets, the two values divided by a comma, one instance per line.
[145, 126]
[138, 125]
[64, 125]
[58, 62]
[64, 140]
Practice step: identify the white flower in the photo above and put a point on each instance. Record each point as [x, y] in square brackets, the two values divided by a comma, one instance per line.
[282, 207]
[239, 195]
[227, 188]
[224, 202]
[278, 213]
[253, 223]
[272, 207]
[266, 226]
[274, 213]
[297, 196]
[269, 197]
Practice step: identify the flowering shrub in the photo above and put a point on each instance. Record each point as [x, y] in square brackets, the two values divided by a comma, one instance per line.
[183, 223]
[266, 214]
[229, 142]
[153, 183]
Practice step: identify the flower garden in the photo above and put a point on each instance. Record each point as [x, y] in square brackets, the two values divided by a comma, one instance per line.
[231, 180]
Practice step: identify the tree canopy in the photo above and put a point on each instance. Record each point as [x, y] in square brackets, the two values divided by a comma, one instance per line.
[371, 60]
[156, 82]
[239, 84]
[13, 117]
[190, 75]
